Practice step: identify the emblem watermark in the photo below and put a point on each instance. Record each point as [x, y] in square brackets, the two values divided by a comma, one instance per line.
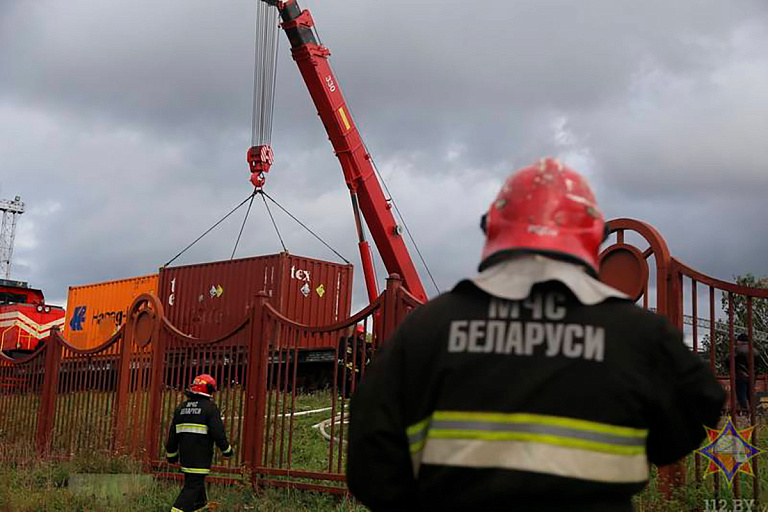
[734, 505]
[729, 451]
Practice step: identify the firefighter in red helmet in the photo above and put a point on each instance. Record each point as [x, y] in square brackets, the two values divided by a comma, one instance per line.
[532, 385]
[195, 428]
[354, 354]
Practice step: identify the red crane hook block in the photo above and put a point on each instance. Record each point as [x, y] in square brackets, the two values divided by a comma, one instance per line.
[260, 159]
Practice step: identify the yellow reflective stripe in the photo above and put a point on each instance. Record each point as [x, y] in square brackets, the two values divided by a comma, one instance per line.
[417, 434]
[344, 119]
[174, 509]
[583, 444]
[191, 428]
[196, 471]
[417, 437]
[417, 446]
[169, 455]
[228, 450]
[541, 419]
[417, 427]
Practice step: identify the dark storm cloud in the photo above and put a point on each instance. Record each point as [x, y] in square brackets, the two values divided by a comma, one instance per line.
[125, 125]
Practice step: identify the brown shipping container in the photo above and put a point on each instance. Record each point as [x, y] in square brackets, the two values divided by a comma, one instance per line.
[208, 299]
[96, 311]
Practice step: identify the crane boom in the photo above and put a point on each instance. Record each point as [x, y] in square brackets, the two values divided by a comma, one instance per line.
[359, 173]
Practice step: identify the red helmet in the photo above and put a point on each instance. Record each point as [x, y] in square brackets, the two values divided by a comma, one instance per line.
[203, 385]
[546, 208]
[359, 329]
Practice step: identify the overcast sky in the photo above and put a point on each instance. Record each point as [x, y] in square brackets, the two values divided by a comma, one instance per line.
[124, 125]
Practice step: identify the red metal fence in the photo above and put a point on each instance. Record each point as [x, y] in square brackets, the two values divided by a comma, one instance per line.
[710, 312]
[120, 396]
[22, 388]
[728, 311]
[285, 453]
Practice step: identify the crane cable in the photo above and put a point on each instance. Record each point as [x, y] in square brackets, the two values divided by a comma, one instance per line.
[266, 49]
[264, 84]
[264, 74]
[402, 219]
[390, 198]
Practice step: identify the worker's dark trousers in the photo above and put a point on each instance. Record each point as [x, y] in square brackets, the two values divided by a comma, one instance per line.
[743, 394]
[192, 496]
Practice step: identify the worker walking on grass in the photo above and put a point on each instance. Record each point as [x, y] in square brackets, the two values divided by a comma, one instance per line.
[355, 352]
[744, 385]
[196, 426]
[531, 386]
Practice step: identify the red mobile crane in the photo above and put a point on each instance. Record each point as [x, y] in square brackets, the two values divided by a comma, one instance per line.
[359, 172]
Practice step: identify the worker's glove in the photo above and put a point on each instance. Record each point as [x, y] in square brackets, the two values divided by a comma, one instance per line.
[228, 452]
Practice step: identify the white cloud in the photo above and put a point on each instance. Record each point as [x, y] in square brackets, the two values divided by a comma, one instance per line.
[135, 118]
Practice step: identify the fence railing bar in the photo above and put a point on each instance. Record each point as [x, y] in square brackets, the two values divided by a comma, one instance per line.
[120, 397]
[753, 398]
[293, 394]
[285, 349]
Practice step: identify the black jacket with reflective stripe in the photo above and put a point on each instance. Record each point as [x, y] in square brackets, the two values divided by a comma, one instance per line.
[466, 362]
[196, 426]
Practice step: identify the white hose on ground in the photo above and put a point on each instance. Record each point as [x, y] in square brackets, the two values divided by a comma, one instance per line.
[302, 413]
[323, 425]
[305, 413]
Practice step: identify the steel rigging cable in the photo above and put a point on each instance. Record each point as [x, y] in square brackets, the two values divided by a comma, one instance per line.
[302, 225]
[242, 227]
[273, 220]
[210, 229]
[249, 200]
[264, 85]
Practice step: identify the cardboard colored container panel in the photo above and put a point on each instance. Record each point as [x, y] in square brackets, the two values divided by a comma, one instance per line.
[207, 299]
[96, 311]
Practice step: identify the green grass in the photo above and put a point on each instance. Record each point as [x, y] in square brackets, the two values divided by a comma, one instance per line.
[25, 483]
[310, 451]
[83, 423]
[692, 496]
[31, 485]
[19, 418]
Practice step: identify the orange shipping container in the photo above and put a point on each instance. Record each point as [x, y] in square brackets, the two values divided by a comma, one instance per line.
[96, 311]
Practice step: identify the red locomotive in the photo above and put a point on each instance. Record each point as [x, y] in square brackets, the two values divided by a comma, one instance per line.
[25, 318]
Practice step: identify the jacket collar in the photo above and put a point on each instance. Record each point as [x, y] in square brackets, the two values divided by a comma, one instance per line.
[514, 278]
[197, 396]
